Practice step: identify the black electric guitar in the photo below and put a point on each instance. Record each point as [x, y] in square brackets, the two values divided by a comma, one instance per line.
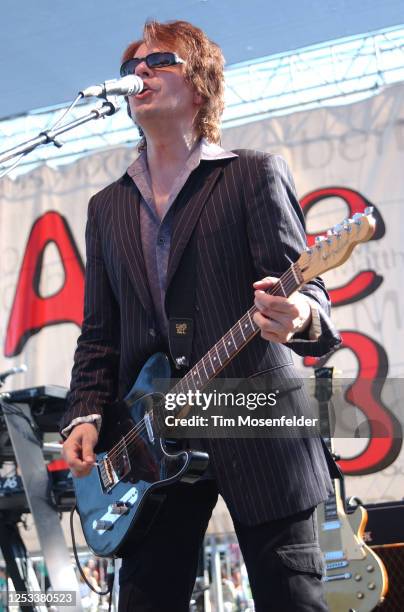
[126, 486]
[356, 578]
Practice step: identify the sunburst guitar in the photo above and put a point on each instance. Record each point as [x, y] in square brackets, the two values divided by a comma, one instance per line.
[356, 579]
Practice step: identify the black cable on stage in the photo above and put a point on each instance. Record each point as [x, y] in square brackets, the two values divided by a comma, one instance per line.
[110, 578]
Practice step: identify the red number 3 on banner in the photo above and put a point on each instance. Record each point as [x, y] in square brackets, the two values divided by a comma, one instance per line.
[385, 430]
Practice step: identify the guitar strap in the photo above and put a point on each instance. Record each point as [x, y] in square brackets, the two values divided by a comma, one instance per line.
[180, 308]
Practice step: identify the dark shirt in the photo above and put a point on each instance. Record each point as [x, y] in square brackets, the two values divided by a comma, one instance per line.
[155, 232]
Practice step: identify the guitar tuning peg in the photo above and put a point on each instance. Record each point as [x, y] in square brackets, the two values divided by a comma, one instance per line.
[357, 218]
[330, 235]
[337, 230]
[319, 240]
[369, 210]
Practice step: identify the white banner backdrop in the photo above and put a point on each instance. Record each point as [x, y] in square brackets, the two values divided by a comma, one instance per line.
[342, 159]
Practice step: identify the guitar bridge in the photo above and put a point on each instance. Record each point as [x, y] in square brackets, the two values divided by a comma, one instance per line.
[113, 468]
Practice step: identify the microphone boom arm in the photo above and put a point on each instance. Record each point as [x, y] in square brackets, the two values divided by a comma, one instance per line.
[108, 108]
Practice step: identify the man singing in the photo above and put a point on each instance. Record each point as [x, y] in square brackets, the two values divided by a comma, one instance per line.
[240, 213]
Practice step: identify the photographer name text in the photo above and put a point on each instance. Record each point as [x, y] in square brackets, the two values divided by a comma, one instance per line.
[217, 420]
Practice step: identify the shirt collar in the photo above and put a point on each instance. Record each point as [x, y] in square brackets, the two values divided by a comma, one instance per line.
[205, 150]
[211, 151]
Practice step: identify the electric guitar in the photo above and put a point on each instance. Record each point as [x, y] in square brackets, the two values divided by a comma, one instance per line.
[356, 578]
[118, 499]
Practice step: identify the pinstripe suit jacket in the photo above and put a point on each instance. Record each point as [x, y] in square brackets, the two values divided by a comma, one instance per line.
[247, 223]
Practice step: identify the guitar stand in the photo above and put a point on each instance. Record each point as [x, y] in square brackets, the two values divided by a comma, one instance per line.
[28, 453]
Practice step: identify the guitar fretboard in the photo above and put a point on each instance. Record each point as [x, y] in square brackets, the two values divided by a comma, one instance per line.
[234, 340]
[323, 394]
[330, 505]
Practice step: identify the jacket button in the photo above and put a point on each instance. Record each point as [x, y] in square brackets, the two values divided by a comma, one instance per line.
[152, 332]
[197, 308]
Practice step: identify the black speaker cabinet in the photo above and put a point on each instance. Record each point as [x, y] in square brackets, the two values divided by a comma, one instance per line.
[385, 534]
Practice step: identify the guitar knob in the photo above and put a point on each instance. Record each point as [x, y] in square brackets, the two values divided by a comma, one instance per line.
[370, 568]
[371, 586]
[358, 577]
[360, 595]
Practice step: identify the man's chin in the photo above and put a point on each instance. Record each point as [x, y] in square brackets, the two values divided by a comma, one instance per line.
[147, 116]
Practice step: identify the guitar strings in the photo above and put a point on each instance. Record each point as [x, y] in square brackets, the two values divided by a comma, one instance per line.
[287, 282]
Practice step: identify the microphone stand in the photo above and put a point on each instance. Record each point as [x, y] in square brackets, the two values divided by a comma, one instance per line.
[50, 136]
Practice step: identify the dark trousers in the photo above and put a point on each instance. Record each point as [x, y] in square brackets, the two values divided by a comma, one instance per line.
[282, 557]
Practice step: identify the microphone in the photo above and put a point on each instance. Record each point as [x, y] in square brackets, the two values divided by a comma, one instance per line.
[127, 86]
[11, 371]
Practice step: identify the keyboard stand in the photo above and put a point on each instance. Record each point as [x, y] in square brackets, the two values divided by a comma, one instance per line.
[28, 453]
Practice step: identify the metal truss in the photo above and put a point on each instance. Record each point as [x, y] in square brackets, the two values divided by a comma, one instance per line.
[338, 73]
[333, 73]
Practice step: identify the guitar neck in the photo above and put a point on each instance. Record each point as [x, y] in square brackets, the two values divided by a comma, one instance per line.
[328, 252]
[323, 394]
[330, 505]
[325, 429]
[234, 340]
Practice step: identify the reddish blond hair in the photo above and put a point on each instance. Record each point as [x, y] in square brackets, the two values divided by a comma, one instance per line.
[203, 68]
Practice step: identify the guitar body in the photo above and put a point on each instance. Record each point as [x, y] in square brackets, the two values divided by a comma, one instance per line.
[356, 578]
[118, 500]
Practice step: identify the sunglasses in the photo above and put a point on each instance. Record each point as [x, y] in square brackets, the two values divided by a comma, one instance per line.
[160, 59]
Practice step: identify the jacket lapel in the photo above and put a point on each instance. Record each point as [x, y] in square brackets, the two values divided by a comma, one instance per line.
[127, 235]
[188, 209]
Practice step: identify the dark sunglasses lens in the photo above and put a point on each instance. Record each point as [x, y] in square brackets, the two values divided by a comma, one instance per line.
[158, 60]
[129, 67]
[153, 60]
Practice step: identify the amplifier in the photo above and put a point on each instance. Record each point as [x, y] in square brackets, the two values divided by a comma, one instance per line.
[385, 524]
[385, 534]
[392, 556]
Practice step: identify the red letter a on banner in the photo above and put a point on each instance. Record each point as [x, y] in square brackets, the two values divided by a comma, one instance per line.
[31, 312]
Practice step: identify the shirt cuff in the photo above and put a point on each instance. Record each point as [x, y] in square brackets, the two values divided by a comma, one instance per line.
[90, 418]
[314, 331]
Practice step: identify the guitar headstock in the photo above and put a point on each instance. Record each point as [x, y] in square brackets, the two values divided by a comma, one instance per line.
[332, 250]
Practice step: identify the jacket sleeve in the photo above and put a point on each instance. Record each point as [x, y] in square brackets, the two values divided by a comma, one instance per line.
[276, 231]
[94, 379]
